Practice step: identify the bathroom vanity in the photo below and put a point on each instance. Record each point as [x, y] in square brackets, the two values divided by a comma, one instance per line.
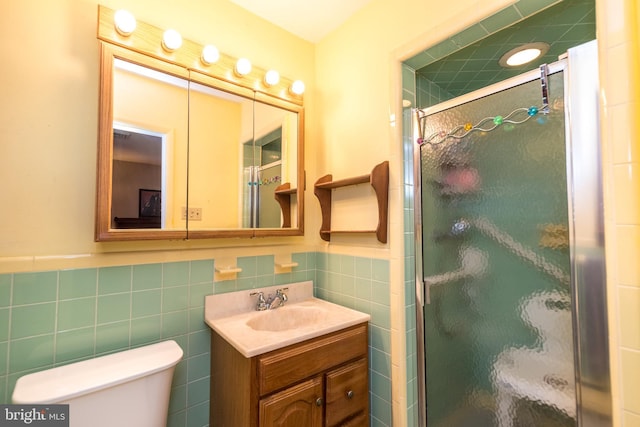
[303, 364]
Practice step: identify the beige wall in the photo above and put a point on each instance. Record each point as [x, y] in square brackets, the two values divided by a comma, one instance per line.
[48, 130]
[49, 119]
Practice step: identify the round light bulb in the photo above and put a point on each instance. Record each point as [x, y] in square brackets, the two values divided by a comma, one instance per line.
[243, 66]
[210, 54]
[523, 57]
[297, 87]
[171, 40]
[271, 78]
[125, 22]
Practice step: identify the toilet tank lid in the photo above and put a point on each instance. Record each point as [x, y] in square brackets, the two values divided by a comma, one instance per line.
[66, 382]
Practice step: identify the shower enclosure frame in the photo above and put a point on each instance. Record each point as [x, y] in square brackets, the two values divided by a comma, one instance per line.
[586, 232]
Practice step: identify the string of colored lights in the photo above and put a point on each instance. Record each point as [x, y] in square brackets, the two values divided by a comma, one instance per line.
[461, 131]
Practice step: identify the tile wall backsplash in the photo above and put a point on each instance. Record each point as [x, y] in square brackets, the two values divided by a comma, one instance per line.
[53, 318]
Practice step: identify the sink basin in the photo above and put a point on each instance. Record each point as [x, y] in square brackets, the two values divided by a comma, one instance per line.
[233, 316]
[287, 317]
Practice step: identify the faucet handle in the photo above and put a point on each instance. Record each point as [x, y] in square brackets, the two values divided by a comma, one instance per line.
[280, 293]
[262, 304]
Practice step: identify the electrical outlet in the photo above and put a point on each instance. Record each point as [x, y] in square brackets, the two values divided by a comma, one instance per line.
[195, 214]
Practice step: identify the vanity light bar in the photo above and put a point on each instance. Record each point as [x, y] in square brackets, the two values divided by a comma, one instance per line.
[121, 28]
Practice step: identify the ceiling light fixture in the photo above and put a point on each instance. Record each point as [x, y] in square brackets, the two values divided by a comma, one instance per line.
[523, 54]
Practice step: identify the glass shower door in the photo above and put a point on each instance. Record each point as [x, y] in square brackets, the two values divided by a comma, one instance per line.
[496, 263]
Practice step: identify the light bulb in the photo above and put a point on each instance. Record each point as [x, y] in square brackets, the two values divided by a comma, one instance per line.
[271, 78]
[125, 22]
[210, 54]
[297, 87]
[171, 40]
[243, 66]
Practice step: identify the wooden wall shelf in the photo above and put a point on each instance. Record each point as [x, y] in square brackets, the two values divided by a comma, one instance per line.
[379, 180]
[283, 197]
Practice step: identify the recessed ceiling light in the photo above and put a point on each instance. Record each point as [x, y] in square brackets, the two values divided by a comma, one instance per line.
[523, 54]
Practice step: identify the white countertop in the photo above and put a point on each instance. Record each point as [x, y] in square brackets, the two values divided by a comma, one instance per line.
[230, 315]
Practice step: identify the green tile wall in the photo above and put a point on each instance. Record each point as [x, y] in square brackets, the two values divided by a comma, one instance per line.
[363, 284]
[53, 318]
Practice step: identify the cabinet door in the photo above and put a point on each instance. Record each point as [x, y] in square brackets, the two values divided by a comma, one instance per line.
[348, 395]
[300, 405]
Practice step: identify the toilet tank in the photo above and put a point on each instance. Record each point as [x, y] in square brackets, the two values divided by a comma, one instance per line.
[126, 389]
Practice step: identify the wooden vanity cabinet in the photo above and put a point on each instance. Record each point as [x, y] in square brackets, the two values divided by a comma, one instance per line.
[320, 382]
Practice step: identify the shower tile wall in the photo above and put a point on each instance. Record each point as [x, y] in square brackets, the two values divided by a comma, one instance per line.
[52, 318]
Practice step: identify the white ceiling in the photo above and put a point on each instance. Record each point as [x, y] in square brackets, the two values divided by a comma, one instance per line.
[308, 19]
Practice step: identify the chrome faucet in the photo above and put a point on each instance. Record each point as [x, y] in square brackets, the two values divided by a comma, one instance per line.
[262, 304]
[278, 300]
[272, 301]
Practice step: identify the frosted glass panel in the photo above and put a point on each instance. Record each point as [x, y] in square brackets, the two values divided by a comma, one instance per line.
[498, 331]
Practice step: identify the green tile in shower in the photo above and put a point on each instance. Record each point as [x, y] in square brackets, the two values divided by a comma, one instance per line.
[75, 344]
[147, 276]
[175, 273]
[30, 320]
[31, 353]
[112, 337]
[146, 303]
[176, 298]
[528, 7]
[5, 290]
[112, 280]
[201, 271]
[77, 283]
[470, 35]
[502, 19]
[145, 330]
[76, 313]
[177, 419]
[31, 288]
[113, 308]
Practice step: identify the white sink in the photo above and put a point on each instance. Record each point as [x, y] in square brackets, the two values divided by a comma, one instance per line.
[234, 317]
[288, 317]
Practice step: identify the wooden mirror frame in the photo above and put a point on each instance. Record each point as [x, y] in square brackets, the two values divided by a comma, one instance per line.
[144, 48]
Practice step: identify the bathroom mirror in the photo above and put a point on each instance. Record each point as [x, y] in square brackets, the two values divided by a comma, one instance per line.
[183, 155]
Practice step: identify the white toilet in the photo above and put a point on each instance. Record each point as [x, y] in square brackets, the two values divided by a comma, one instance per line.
[126, 389]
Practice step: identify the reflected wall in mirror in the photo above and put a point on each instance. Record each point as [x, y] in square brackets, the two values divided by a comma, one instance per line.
[186, 154]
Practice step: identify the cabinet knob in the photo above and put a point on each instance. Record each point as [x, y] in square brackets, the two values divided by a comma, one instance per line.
[350, 394]
[319, 401]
